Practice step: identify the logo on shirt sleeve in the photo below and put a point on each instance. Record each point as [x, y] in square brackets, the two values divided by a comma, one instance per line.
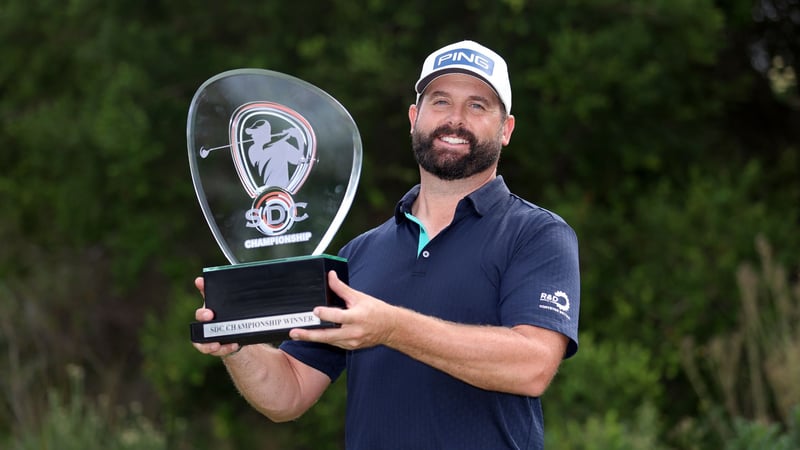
[558, 302]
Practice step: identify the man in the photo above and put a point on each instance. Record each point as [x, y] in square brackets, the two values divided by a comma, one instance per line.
[460, 308]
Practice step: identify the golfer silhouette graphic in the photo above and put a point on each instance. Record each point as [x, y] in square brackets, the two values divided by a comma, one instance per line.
[271, 154]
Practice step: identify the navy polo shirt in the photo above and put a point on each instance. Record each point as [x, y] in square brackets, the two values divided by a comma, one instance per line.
[502, 261]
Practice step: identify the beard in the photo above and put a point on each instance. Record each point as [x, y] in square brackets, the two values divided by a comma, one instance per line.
[446, 166]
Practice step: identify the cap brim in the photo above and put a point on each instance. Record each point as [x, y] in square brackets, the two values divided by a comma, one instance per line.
[428, 79]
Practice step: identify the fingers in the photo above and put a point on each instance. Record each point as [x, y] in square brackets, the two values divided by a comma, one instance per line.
[212, 348]
[207, 348]
[216, 349]
[345, 292]
[331, 314]
[340, 288]
[200, 284]
[334, 281]
[203, 314]
[339, 337]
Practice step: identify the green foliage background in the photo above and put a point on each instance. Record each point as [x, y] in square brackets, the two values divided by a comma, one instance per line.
[666, 132]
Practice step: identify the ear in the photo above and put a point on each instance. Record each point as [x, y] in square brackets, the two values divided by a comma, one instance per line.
[412, 116]
[508, 129]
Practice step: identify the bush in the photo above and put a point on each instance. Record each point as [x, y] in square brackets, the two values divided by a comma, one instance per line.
[604, 398]
[746, 379]
[752, 435]
[608, 431]
[77, 423]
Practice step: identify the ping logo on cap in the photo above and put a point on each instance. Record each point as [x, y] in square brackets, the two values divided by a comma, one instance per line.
[466, 57]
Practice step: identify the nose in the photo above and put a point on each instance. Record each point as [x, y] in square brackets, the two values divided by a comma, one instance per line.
[456, 116]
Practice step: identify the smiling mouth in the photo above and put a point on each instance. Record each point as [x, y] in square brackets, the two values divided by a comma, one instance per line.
[454, 140]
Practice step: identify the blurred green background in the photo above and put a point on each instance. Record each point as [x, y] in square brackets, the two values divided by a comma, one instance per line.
[667, 133]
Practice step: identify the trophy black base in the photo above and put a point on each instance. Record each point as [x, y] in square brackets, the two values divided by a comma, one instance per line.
[260, 302]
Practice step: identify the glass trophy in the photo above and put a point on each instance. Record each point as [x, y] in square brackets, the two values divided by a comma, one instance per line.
[275, 163]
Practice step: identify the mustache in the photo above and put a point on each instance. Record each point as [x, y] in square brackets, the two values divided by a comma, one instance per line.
[452, 131]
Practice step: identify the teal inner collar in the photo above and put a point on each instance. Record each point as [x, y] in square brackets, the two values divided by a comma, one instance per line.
[423, 234]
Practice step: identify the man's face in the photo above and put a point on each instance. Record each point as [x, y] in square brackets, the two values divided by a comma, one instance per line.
[458, 128]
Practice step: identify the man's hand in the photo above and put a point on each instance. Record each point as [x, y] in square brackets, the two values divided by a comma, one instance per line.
[204, 314]
[366, 322]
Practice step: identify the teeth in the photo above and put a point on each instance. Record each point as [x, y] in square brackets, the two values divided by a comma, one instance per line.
[453, 140]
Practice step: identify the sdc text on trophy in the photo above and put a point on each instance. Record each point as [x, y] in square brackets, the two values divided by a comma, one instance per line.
[275, 163]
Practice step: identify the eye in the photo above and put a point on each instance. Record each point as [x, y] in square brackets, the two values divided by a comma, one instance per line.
[478, 106]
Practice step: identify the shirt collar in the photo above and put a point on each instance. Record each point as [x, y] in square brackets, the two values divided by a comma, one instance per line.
[479, 201]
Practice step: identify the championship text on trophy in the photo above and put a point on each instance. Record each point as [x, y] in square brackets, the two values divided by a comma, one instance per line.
[275, 162]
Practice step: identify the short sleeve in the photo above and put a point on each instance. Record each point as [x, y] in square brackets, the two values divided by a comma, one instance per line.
[541, 285]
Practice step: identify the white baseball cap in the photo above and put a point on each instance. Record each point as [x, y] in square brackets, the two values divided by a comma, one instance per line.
[471, 58]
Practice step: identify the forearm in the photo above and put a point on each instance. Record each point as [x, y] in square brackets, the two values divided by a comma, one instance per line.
[521, 361]
[273, 383]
